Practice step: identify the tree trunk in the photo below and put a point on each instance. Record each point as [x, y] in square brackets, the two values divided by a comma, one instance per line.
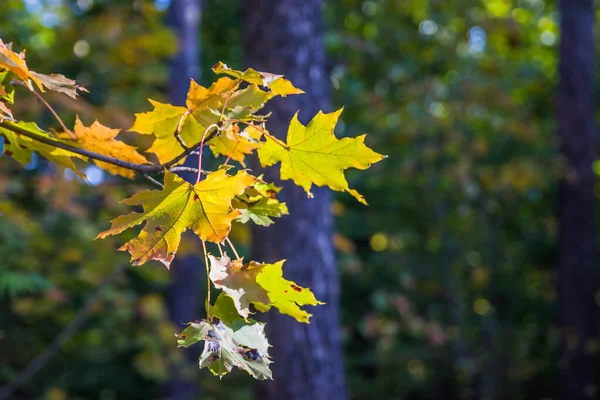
[577, 268]
[183, 296]
[286, 37]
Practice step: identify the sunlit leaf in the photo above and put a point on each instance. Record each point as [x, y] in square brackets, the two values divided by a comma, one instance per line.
[235, 144]
[203, 108]
[101, 139]
[16, 63]
[276, 83]
[205, 208]
[313, 155]
[261, 285]
[259, 204]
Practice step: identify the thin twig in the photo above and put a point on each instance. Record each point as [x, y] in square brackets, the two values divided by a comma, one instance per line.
[185, 169]
[59, 341]
[49, 107]
[207, 281]
[178, 130]
[154, 181]
[200, 150]
[237, 256]
[220, 249]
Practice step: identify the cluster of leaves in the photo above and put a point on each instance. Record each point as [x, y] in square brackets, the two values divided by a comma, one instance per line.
[225, 117]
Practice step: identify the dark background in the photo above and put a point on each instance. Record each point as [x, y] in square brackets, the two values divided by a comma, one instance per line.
[471, 275]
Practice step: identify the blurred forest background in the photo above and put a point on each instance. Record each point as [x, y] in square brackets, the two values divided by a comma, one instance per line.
[447, 280]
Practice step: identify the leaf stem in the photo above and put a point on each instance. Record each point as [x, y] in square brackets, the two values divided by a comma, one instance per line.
[207, 281]
[237, 256]
[49, 107]
[200, 150]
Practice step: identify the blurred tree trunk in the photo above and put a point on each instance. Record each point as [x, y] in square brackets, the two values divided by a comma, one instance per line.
[577, 266]
[183, 296]
[286, 37]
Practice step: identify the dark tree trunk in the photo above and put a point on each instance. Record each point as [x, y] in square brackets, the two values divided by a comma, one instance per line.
[286, 37]
[183, 296]
[577, 267]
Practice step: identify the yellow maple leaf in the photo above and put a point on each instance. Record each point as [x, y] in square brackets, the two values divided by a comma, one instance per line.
[235, 144]
[205, 208]
[16, 63]
[203, 108]
[313, 155]
[262, 285]
[276, 83]
[101, 139]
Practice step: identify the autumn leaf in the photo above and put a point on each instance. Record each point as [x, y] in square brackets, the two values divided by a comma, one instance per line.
[101, 139]
[7, 90]
[204, 208]
[235, 144]
[261, 285]
[313, 155]
[259, 204]
[276, 83]
[203, 108]
[60, 83]
[20, 147]
[16, 63]
[5, 110]
[232, 342]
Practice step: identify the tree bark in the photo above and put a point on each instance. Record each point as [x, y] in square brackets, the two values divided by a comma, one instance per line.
[577, 266]
[286, 37]
[183, 296]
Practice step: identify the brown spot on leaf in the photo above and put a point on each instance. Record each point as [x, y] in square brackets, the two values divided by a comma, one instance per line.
[183, 337]
[271, 193]
[8, 152]
[196, 198]
[296, 288]
[158, 229]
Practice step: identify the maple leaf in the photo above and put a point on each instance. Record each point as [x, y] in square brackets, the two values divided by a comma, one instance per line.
[101, 139]
[203, 108]
[232, 342]
[313, 155]
[235, 144]
[16, 63]
[60, 83]
[20, 147]
[262, 285]
[204, 208]
[276, 83]
[259, 204]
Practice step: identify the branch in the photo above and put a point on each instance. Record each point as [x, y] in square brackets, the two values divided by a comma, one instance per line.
[152, 180]
[142, 168]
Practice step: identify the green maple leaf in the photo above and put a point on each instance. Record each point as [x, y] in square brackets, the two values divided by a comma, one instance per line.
[205, 208]
[313, 155]
[231, 342]
[261, 285]
[259, 204]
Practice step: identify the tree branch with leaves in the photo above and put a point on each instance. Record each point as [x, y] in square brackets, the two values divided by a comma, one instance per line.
[225, 117]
